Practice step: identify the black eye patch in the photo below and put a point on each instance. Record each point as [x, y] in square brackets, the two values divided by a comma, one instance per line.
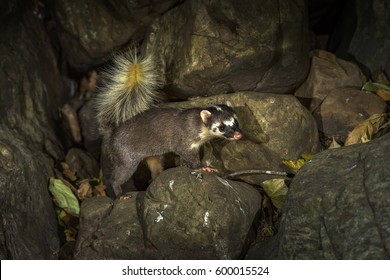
[236, 125]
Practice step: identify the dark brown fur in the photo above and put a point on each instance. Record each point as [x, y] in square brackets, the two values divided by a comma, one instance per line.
[155, 132]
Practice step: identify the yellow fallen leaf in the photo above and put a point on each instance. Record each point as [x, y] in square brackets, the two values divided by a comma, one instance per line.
[364, 131]
[64, 217]
[276, 189]
[295, 164]
[334, 144]
[306, 157]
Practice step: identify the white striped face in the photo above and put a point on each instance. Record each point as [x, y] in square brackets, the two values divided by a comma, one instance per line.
[227, 128]
[220, 121]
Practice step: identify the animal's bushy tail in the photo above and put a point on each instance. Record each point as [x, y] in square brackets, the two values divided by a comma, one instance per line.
[131, 88]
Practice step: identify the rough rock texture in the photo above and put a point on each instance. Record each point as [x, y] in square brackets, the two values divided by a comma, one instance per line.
[337, 205]
[184, 214]
[343, 109]
[327, 72]
[363, 35]
[31, 91]
[82, 163]
[110, 230]
[194, 215]
[90, 128]
[89, 30]
[275, 126]
[214, 47]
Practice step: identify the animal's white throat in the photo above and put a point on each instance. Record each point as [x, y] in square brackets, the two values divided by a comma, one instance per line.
[204, 136]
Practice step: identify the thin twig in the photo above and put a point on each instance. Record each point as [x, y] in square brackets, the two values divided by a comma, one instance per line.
[258, 171]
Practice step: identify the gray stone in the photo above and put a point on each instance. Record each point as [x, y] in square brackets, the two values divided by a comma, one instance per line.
[214, 47]
[185, 214]
[89, 30]
[328, 72]
[31, 91]
[363, 35]
[337, 205]
[343, 109]
[79, 161]
[110, 229]
[195, 215]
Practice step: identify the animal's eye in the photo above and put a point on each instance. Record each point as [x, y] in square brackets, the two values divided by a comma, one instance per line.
[222, 127]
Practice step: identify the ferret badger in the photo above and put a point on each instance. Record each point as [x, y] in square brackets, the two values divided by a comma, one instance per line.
[134, 130]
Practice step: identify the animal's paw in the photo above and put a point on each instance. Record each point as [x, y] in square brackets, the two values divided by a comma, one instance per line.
[125, 196]
[208, 169]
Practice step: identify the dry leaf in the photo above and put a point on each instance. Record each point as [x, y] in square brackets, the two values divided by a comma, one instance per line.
[267, 230]
[364, 131]
[306, 157]
[334, 144]
[70, 234]
[294, 165]
[276, 189]
[384, 94]
[100, 190]
[88, 85]
[68, 173]
[85, 190]
[69, 115]
[64, 216]
[383, 129]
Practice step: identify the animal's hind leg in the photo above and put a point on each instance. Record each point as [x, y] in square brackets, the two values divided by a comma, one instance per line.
[120, 174]
[155, 166]
[117, 170]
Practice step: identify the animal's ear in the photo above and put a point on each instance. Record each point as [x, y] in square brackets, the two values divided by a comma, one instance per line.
[229, 104]
[205, 114]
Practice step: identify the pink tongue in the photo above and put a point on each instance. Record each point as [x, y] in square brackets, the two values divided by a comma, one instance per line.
[237, 135]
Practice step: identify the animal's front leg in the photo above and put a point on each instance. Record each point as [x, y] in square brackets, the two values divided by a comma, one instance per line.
[192, 160]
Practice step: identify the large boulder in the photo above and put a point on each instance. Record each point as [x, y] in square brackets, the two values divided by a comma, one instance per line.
[31, 91]
[194, 215]
[343, 109]
[110, 230]
[362, 34]
[214, 47]
[184, 214]
[327, 72]
[337, 205]
[332, 92]
[89, 30]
